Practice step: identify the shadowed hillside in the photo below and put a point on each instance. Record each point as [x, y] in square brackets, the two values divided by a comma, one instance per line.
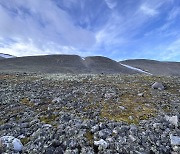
[63, 64]
[155, 67]
[98, 64]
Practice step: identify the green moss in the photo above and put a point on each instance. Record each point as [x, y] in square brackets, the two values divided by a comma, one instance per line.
[25, 140]
[166, 108]
[48, 119]
[89, 136]
[136, 108]
[26, 101]
[1, 122]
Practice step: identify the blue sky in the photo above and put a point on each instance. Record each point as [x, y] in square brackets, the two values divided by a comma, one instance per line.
[119, 29]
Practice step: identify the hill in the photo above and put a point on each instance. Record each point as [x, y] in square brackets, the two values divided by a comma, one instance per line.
[63, 64]
[155, 67]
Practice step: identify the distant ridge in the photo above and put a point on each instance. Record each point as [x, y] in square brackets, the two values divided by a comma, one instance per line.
[155, 67]
[64, 64]
[83, 65]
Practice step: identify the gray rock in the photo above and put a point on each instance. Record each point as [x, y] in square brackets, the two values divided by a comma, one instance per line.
[175, 140]
[11, 143]
[95, 128]
[101, 144]
[58, 150]
[87, 150]
[158, 85]
[104, 133]
[50, 150]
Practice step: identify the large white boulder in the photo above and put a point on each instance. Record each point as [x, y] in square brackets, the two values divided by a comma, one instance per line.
[173, 120]
[175, 140]
[101, 143]
[12, 143]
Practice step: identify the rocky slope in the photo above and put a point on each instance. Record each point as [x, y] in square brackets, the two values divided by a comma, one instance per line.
[63, 64]
[155, 67]
[88, 114]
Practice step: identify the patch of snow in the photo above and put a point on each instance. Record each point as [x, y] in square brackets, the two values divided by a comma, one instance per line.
[47, 125]
[83, 58]
[5, 55]
[173, 120]
[11, 141]
[102, 143]
[175, 140]
[137, 69]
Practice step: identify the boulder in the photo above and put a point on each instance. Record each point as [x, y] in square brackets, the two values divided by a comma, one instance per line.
[11, 143]
[158, 85]
[101, 143]
[175, 140]
[173, 120]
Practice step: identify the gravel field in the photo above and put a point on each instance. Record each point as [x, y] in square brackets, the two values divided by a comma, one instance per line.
[89, 114]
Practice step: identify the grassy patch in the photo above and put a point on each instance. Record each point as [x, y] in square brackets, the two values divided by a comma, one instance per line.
[89, 136]
[48, 119]
[134, 110]
[25, 140]
[26, 101]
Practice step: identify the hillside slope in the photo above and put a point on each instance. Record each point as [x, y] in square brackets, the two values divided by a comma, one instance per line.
[155, 67]
[63, 64]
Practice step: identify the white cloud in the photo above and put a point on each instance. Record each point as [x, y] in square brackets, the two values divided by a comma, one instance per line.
[174, 13]
[148, 11]
[111, 3]
[169, 51]
[42, 22]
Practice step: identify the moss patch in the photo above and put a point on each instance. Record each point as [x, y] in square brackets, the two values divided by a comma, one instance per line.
[134, 110]
[48, 119]
[26, 101]
[25, 140]
[89, 136]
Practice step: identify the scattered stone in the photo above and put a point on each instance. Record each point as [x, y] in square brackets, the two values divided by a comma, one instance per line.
[101, 143]
[89, 114]
[158, 85]
[173, 120]
[141, 94]
[122, 107]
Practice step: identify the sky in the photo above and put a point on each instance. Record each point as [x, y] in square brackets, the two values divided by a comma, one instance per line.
[118, 29]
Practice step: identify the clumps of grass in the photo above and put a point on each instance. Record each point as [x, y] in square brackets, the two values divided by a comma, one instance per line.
[1, 122]
[26, 101]
[134, 110]
[166, 108]
[25, 140]
[48, 119]
[89, 136]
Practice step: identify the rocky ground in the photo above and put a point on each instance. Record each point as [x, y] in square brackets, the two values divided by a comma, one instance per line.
[87, 114]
